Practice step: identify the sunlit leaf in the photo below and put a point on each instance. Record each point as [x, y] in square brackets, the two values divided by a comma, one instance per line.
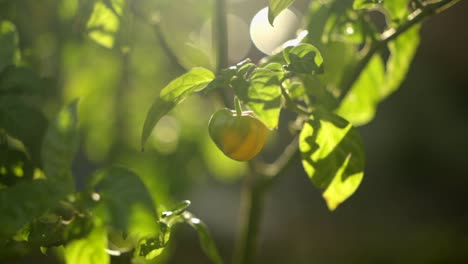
[402, 51]
[359, 105]
[9, 52]
[60, 145]
[175, 92]
[124, 202]
[193, 81]
[332, 156]
[264, 96]
[23, 122]
[275, 7]
[304, 59]
[104, 23]
[21, 203]
[397, 10]
[90, 249]
[206, 241]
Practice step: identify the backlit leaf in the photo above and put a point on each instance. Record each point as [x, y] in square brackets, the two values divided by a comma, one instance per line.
[332, 156]
[359, 105]
[264, 96]
[104, 22]
[402, 51]
[124, 202]
[175, 92]
[397, 10]
[275, 7]
[90, 249]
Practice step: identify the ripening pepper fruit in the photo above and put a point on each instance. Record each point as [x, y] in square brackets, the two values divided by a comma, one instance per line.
[240, 137]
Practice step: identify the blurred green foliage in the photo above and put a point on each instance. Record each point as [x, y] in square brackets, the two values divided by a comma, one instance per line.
[77, 79]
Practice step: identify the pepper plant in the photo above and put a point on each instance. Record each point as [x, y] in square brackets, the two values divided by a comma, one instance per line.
[349, 57]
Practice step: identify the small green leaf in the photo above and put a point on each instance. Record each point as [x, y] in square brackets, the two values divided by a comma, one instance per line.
[303, 59]
[24, 123]
[90, 249]
[332, 156]
[402, 51]
[104, 23]
[359, 105]
[275, 7]
[175, 92]
[193, 81]
[60, 145]
[149, 248]
[9, 52]
[264, 96]
[364, 4]
[181, 207]
[206, 241]
[124, 202]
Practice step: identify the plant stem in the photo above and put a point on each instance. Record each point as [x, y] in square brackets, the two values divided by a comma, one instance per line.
[238, 106]
[414, 18]
[259, 179]
[221, 43]
[251, 212]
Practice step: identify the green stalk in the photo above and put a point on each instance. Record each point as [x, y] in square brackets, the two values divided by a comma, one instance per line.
[221, 43]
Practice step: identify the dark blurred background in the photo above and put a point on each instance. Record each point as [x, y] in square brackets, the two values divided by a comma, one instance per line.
[410, 208]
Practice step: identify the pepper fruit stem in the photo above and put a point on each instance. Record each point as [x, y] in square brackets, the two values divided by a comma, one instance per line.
[237, 105]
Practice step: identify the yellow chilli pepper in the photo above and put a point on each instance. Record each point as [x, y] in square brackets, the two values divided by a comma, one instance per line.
[240, 137]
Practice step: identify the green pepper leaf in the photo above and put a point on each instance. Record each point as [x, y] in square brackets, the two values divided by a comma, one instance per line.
[124, 202]
[275, 7]
[402, 51]
[206, 241]
[264, 95]
[175, 92]
[359, 105]
[332, 156]
[60, 145]
[90, 249]
[303, 59]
